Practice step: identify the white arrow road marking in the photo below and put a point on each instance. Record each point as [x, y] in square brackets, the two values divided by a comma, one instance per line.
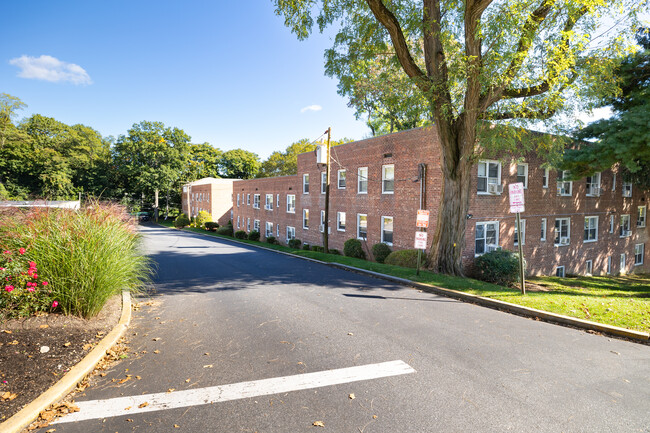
[161, 401]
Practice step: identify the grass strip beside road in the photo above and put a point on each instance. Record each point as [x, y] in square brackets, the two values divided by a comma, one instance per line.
[622, 301]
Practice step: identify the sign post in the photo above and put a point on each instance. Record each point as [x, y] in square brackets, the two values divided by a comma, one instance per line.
[421, 236]
[516, 191]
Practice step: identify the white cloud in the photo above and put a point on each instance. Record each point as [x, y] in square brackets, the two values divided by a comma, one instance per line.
[48, 68]
[311, 108]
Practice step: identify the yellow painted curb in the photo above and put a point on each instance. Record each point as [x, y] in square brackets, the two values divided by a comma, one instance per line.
[63, 387]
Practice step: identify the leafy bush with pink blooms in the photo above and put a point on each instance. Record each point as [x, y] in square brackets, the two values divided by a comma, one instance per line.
[22, 291]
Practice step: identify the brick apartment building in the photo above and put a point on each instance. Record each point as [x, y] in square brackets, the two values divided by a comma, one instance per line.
[211, 195]
[592, 226]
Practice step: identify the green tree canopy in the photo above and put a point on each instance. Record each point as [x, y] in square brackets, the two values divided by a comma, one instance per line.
[239, 164]
[475, 61]
[286, 163]
[625, 137]
[203, 162]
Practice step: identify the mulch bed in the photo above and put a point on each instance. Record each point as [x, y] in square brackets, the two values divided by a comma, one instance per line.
[36, 352]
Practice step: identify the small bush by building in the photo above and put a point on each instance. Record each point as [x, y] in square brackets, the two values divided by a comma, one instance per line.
[181, 221]
[271, 240]
[295, 243]
[335, 252]
[405, 258]
[306, 247]
[211, 225]
[254, 236]
[202, 218]
[241, 234]
[353, 248]
[380, 251]
[225, 230]
[318, 248]
[498, 267]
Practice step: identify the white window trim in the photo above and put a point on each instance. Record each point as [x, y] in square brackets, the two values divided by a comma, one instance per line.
[570, 182]
[268, 205]
[293, 208]
[591, 240]
[291, 233]
[523, 230]
[629, 226]
[568, 220]
[626, 189]
[248, 225]
[305, 212]
[608, 269]
[525, 165]
[622, 269]
[277, 231]
[642, 254]
[545, 178]
[611, 223]
[545, 225]
[305, 183]
[645, 216]
[256, 201]
[382, 229]
[277, 200]
[589, 268]
[238, 226]
[589, 189]
[359, 215]
[487, 177]
[338, 221]
[323, 182]
[485, 223]
[563, 272]
[338, 179]
[237, 200]
[359, 177]
[248, 199]
[383, 178]
[256, 225]
[267, 231]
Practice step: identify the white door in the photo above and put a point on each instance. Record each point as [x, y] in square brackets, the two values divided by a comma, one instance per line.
[622, 265]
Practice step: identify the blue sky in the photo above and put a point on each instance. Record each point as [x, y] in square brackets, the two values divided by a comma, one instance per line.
[226, 72]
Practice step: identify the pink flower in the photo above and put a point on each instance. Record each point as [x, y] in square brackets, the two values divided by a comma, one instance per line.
[32, 265]
[44, 283]
[7, 252]
[30, 289]
[9, 288]
[21, 251]
[55, 304]
[2, 269]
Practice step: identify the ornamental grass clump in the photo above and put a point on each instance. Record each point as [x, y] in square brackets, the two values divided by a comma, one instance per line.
[86, 256]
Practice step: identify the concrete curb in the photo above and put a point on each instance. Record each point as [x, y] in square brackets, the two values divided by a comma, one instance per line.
[474, 299]
[63, 387]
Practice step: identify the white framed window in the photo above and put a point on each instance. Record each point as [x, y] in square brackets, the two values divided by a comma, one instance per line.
[305, 183]
[593, 185]
[559, 271]
[622, 264]
[340, 221]
[486, 237]
[322, 221]
[624, 230]
[613, 181]
[248, 199]
[543, 234]
[640, 216]
[545, 178]
[522, 173]
[277, 200]
[627, 189]
[611, 223]
[256, 201]
[523, 233]
[609, 265]
[291, 203]
[256, 225]
[489, 177]
[291, 233]
[237, 200]
[591, 229]
[362, 226]
[362, 180]
[248, 225]
[639, 249]
[277, 231]
[562, 231]
[268, 205]
[564, 187]
[388, 179]
[238, 221]
[589, 268]
[323, 182]
[269, 229]
[305, 218]
[387, 230]
[341, 179]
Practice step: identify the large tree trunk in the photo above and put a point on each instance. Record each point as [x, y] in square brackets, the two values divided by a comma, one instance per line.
[457, 143]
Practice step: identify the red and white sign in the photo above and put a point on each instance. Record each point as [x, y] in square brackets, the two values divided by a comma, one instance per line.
[423, 219]
[516, 191]
[420, 240]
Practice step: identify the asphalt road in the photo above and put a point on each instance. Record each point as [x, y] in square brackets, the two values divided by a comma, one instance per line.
[230, 314]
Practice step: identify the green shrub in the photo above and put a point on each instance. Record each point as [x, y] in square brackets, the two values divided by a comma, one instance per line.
[380, 251]
[181, 221]
[405, 258]
[240, 234]
[498, 267]
[203, 218]
[254, 236]
[193, 221]
[306, 247]
[318, 248]
[271, 240]
[335, 252]
[86, 256]
[295, 243]
[212, 226]
[225, 230]
[353, 248]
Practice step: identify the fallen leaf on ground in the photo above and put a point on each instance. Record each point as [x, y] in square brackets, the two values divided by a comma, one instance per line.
[208, 366]
[319, 424]
[156, 339]
[352, 396]
[206, 353]
[52, 430]
[349, 333]
[6, 331]
[145, 404]
[171, 390]
[66, 344]
[156, 351]
[8, 396]
[374, 417]
[129, 420]
[187, 381]
[13, 343]
[44, 326]
[177, 426]
[87, 346]
[138, 377]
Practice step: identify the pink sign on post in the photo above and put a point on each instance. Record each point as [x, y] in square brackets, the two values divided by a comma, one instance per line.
[516, 191]
[420, 240]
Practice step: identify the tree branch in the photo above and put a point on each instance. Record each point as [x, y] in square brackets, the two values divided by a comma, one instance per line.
[389, 21]
[523, 114]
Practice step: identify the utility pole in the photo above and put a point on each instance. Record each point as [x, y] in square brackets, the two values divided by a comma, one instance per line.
[327, 194]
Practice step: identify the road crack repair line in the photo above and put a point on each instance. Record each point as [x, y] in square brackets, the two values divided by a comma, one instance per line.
[120, 406]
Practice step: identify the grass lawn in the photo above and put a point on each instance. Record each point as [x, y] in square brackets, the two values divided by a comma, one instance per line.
[620, 301]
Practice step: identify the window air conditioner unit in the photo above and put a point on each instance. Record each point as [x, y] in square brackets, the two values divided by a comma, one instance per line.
[321, 227]
[640, 223]
[564, 241]
[625, 233]
[493, 188]
[491, 248]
